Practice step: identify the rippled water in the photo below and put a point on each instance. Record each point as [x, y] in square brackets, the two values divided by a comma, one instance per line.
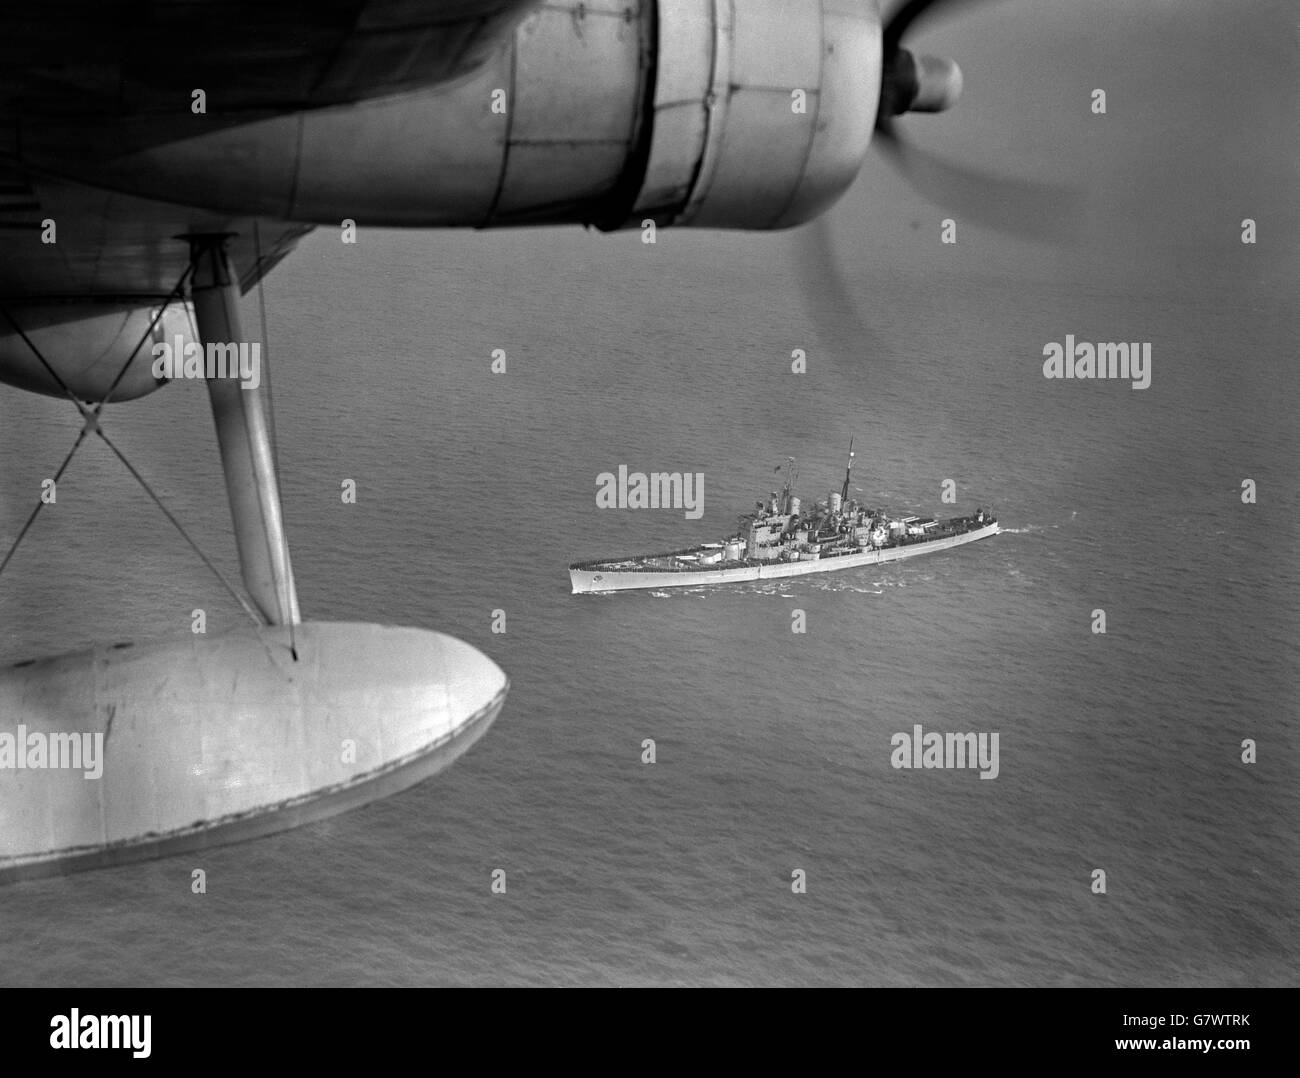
[1118, 752]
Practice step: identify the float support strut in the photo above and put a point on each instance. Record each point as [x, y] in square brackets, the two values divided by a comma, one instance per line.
[243, 435]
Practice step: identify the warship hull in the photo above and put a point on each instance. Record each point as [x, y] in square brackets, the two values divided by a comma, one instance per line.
[594, 577]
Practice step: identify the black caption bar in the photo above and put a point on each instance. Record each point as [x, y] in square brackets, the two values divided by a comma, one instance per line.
[153, 1027]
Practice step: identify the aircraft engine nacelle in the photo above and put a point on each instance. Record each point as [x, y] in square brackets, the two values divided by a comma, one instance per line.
[751, 114]
[763, 110]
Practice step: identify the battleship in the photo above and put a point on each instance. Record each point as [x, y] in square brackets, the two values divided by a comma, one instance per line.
[783, 538]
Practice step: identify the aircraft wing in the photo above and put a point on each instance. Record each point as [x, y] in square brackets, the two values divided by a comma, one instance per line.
[79, 58]
[95, 79]
[114, 248]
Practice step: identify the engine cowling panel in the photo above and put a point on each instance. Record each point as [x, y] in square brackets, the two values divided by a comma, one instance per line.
[763, 110]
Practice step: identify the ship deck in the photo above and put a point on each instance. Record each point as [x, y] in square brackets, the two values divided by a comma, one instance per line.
[674, 561]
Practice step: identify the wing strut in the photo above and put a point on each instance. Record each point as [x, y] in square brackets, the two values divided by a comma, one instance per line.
[243, 434]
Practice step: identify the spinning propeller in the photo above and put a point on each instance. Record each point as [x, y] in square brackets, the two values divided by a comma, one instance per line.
[909, 83]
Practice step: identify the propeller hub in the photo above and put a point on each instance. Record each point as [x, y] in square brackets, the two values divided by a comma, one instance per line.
[938, 84]
[918, 84]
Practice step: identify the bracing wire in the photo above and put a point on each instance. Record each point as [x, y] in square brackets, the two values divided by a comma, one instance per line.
[91, 417]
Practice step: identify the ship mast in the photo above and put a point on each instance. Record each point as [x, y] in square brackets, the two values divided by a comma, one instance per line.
[844, 494]
[791, 474]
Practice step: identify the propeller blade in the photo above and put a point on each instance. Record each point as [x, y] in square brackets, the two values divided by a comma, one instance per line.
[1025, 209]
[831, 305]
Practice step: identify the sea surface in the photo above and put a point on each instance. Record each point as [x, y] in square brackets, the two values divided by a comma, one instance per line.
[1119, 752]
